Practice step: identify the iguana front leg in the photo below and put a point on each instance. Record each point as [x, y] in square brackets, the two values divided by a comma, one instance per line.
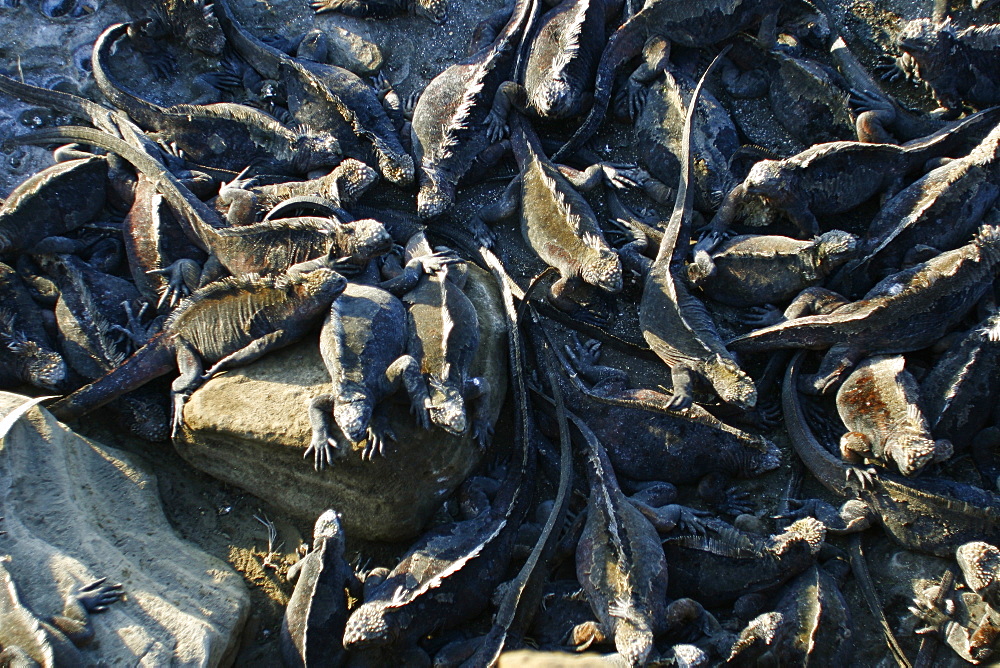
[74, 621]
[190, 365]
[509, 94]
[682, 381]
[836, 362]
[478, 390]
[406, 369]
[252, 352]
[322, 446]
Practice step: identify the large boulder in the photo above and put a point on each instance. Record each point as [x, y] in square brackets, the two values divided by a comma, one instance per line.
[250, 427]
[73, 511]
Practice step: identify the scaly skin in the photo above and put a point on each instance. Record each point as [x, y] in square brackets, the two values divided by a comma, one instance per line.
[223, 135]
[434, 10]
[674, 322]
[754, 270]
[449, 122]
[190, 21]
[26, 353]
[692, 24]
[52, 202]
[328, 99]
[907, 311]
[317, 610]
[878, 404]
[225, 324]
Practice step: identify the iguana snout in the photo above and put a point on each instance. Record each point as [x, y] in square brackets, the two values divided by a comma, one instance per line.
[925, 35]
[554, 99]
[434, 197]
[367, 627]
[368, 238]
[434, 10]
[353, 418]
[447, 409]
[316, 151]
[46, 368]
[731, 382]
[912, 452]
[604, 271]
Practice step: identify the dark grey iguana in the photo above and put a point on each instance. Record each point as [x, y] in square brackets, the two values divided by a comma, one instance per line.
[26, 640]
[557, 223]
[328, 99]
[674, 322]
[962, 387]
[190, 21]
[313, 626]
[435, 10]
[26, 353]
[449, 128]
[692, 24]
[227, 323]
[754, 270]
[879, 405]
[53, 202]
[906, 311]
[223, 135]
[270, 246]
[838, 176]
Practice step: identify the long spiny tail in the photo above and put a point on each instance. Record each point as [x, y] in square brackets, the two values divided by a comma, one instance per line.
[194, 215]
[153, 360]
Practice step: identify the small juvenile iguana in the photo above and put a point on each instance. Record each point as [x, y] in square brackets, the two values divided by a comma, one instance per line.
[879, 405]
[674, 322]
[313, 625]
[435, 10]
[222, 135]
[230, 322]
[906, 311]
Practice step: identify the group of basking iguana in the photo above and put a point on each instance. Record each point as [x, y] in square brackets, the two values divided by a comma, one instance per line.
[202, 236]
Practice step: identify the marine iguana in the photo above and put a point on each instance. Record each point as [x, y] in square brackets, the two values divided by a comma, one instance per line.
[270, 246]
[561, 62]
[906, 311]
[449, 128]
[557, 223]
[958, 66]
[228, 323]
[692, 24]
[26, 640]
[837, 176]
[435, 10]
[963, 385]
[328, 99]
[52, 202]
[314, 620]
[190, 21]
[222, 135]
[880, 405]
[26, 353]
[754, 270]
[929, 515]
[674, 322]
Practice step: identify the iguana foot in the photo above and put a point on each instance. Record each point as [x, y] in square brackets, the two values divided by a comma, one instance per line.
[496, 128]
[761, 316]
[136, 332]
[97, 596]
[482, 433]
[865, 477]
[177, 419]
[182, 277]
[624, 176]
[584, 635]
[636, 98]
[375, 443]
[324, 452]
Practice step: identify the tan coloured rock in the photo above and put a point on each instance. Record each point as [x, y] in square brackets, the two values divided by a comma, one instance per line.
[74, 511]
[250, 427]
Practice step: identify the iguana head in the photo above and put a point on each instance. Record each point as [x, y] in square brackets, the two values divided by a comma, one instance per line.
[351, 178]
[367, 239]
[435, 10]
[321, 284]
[980, 564]
[368, 626]
[603, 268]
[353, 417]
[44, 368]
[554, 98]
[435, 195]
[634, 641]
[988, 241]
[201, 29]
[926, 39]
[327, 528]
[447, 407]
[730, 382]
[835, 247]
[396, 168]
[803, 537]
[767, 180]
[314, 151]
[913, 451]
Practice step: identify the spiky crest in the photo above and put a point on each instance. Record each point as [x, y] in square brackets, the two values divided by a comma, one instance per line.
[570, 46]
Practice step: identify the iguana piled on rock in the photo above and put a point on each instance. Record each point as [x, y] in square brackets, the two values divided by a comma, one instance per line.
[52, 202]
[835, 177]
[674, 322]
[270, 246]
[906, 311]
[435, 10]
[26, 353]
[227, 323]
[328, 99]
[449, 127]
[962, 386]
[26, 640]
[313, 625]
[880, 405]
[222, 135]
[693, 24]
[929, 515]
[754, 270]
[557, 223]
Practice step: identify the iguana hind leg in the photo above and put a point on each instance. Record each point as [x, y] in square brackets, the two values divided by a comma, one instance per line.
[250, 353]
[322, 446]
[406, 370]
[837, 361]
[190, 365]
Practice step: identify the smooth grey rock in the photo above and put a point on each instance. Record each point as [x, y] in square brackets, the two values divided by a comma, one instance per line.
[250, 427]
[75, 511]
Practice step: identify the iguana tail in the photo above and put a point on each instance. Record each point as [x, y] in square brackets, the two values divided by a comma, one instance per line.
[812, 332]
[153, 360]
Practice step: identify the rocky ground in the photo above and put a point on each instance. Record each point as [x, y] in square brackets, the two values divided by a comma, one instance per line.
[259, 539]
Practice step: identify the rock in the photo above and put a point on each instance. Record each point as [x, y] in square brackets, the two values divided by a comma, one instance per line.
[250, 427]
[528, 658]
[353, 52]
[74, 511]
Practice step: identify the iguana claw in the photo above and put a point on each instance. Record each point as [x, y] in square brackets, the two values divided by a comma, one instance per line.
[97, 596]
